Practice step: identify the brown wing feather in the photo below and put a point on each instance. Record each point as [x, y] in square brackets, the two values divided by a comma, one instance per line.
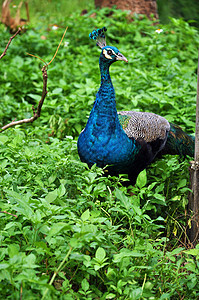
[144, 125]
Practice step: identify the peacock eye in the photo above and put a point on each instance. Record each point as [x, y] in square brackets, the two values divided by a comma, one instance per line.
[109, 52]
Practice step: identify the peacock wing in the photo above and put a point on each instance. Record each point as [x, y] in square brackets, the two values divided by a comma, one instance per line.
[144, 126]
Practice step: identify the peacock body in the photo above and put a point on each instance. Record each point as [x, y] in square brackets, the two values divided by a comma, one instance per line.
[127, 141]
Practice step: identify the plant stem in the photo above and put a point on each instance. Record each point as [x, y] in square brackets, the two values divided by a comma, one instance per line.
[57, 271]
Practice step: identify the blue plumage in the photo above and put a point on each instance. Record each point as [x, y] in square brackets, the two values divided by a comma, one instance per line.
[98, 143]
[126, 141]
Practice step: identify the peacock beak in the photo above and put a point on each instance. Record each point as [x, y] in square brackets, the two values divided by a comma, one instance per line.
[120, 56]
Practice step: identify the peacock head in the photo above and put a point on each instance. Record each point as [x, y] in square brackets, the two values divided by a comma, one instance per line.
[109, 54]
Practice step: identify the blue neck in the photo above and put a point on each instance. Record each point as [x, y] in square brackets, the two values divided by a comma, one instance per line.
[104, 112]
[103, 141]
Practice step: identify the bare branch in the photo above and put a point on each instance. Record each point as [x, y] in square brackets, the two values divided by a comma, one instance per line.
[8, 44]
[5, 212]
[36, 114]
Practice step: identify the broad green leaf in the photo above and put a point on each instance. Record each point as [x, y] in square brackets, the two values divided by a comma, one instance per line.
[61, 190]
[34, 96]
[123, 198]
[86, 215]
[13, 249]
[110, 296]
[23, 206]
[85, 285]
[111, 273]
[51, 196]
[141, 179]
[56, 228]
[3, 139]
[52, 178]
[100, 254]
[127, 253]
[57, 91]
[194, 252]
[182, 183]
[3, 163]
[4, 266]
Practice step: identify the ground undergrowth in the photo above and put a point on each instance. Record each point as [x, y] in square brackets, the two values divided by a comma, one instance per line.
[68, 232]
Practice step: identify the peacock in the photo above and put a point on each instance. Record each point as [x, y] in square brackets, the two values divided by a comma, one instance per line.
[126, 141]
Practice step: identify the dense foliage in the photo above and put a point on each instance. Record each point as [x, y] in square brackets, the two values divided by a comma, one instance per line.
[186, 9]
[68, 232]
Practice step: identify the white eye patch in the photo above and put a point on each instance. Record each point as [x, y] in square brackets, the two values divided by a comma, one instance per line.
[106, 53]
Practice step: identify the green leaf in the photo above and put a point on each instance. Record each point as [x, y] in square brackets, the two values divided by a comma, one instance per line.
[51, 196]
[160, 199]
[125, 202]
[61, 190]
[177, 251]
[110, 273]
[100, 254]
[57, 227]
[98, 266]
[191, 267]
[141, 179]
[86, 215]
[57, 91]
[13, 249]
[85, 285]
[34, 96]
[110, 296]
[4, 266]
[52, 178]
[194, 252]
[182, 183]
[158, 84]
[30, 261]
[3, 164]
[3, 139]
[23, 206]
[127, 253]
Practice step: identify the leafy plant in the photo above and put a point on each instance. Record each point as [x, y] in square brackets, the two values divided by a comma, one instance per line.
[69, 232]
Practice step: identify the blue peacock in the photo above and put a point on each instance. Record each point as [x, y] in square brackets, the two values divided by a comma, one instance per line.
[126, 141]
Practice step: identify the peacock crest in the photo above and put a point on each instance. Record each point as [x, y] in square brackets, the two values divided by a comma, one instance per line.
[99, 36]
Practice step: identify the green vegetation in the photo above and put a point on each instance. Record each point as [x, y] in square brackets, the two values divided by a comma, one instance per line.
[104, 241]
[186, 9]
[51, 11]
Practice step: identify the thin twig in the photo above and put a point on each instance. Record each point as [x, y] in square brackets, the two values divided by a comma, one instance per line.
[55, 51]
[5, 212]
[36, 57]
[21, 290]
[8, 44]
[145, 275]
[58, 46]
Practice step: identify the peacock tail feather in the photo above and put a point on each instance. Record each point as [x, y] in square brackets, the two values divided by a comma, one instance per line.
[179, 142]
